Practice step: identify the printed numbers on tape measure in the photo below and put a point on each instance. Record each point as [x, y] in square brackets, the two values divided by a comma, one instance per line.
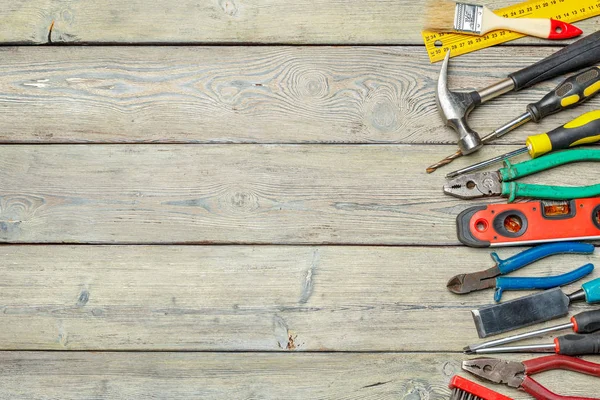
[438, 44]
[461, 45]
[528, 9]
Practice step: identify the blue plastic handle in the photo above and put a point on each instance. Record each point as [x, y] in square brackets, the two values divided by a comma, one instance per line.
[537, 253]
[592, 291]
[549, 282]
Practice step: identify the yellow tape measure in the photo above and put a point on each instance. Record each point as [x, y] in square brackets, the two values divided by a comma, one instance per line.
[438, 44]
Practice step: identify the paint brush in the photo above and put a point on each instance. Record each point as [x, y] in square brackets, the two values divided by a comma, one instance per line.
[448, 16]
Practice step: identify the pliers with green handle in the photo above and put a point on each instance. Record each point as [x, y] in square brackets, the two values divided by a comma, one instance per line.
[500, 183]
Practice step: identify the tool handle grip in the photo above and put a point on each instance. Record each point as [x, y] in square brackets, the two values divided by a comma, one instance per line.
[592, 291]
[577, 345]
[581, 54]
[582, 130]
[547, 363]
[514, 190]
[571, 92]
[538, 252]
[544, 28]
[538, 391]
[511, 172]
[546, 282]
[481, 392]
[586, 322]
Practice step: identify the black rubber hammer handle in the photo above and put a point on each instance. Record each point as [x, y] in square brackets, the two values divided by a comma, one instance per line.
[580, 54]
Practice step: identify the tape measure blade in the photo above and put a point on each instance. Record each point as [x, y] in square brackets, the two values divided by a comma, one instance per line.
[463, 44]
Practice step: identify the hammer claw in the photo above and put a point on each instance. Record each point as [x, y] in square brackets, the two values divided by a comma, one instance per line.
[455, 107]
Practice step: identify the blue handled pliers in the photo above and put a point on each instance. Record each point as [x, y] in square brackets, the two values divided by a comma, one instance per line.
[466, 283]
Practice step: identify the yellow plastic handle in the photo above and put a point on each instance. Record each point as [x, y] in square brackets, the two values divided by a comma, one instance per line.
[582, 130]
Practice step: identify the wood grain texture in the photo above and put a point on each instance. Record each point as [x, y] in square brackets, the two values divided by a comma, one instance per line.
[219, 21]
[247, 298]
[269, 194]
[248, 376]
[251, 94]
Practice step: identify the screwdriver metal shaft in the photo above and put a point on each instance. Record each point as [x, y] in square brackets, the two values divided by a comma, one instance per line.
[503, 130]
[583, 130]
[484, 164]
[568, 345]
[532, 348]
[584, 322]
[472, 349]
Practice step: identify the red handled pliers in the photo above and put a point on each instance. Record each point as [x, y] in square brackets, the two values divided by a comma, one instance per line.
[518, 374]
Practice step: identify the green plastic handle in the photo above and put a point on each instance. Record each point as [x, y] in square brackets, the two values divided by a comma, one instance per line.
[515, 190]
[511, 172]
[592, 291]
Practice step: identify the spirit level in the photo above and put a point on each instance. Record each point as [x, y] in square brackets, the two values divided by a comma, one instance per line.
[531, 222]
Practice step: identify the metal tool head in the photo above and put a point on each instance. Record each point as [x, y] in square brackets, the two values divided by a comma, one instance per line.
[498, 371]
[467, 283]
[475, 185]
[455, 107]
[521, 312]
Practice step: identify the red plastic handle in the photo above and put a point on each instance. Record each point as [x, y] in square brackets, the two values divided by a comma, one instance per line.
[548, 363]
[541, 393]
[475, 389]
[561, 30]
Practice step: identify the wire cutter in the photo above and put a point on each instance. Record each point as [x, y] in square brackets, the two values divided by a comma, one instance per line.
[518, 374]
[466, 283]
[500, 182]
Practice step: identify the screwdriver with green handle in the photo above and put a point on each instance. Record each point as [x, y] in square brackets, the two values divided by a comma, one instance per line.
[582, 130]
[573, 91]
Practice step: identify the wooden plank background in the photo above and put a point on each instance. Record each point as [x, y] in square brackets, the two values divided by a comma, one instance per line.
[78, 375]
[265, 94]
[224, 194]
[245, 298]
[219, 21]
[204, 204]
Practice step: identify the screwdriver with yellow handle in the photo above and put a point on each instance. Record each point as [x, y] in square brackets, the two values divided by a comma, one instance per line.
[582, 130]
[573, 91]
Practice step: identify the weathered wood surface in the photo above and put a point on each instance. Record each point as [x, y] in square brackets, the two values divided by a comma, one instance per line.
[265, 194]
[245, 298]
[251, 94]
[220, 21]
[26, 375]
[145, 299]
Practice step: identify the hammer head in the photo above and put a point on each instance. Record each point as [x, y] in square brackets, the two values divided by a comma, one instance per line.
[455, 107]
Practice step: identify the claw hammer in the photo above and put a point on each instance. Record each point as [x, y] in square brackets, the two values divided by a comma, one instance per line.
[455, 106]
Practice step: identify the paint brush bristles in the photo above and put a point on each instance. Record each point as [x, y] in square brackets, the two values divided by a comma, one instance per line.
[440, 15]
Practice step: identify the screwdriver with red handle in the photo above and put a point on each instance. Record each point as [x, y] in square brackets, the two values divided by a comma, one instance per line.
[583, 324]
[567, 345]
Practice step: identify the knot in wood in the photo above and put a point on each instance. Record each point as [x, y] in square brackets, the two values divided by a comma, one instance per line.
[14, 209]
[382, 110]
[239, 201]
[229, 7]
[312, 85]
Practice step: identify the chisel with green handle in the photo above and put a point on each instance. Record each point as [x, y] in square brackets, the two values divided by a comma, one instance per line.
[500, 182]
[582, 130]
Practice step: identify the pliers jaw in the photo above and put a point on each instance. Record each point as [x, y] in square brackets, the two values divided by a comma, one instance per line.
[475, 185]
[467, 283]
[495, 370]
